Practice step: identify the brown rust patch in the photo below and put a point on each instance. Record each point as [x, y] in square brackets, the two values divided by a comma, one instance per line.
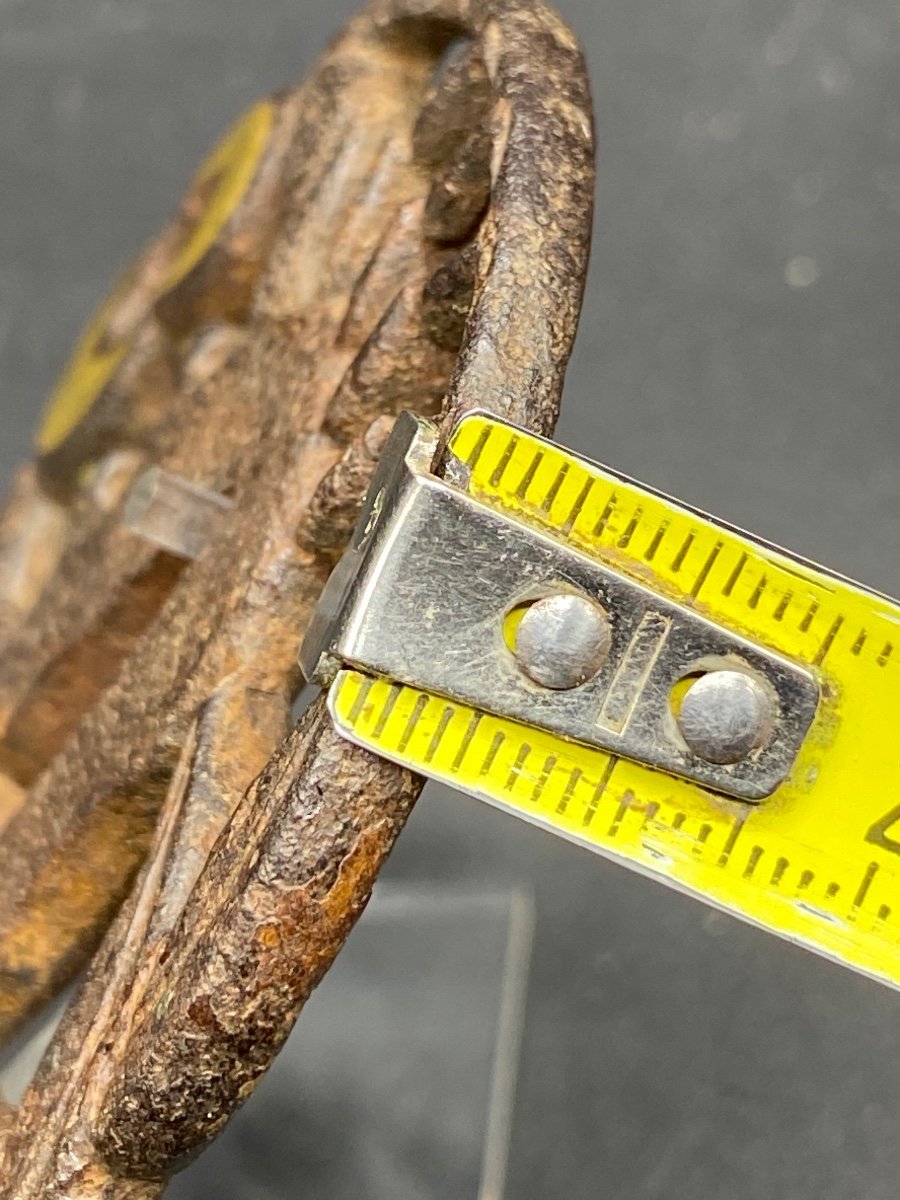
[345, 312]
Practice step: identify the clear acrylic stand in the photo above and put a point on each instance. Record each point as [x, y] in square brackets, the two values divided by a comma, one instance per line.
[20, 1057]
[399, 1079]
[398, 1082]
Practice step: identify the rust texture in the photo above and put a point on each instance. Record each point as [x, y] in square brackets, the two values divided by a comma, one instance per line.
[413, 234]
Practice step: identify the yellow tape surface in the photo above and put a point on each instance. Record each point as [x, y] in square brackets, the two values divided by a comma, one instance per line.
[817, 862]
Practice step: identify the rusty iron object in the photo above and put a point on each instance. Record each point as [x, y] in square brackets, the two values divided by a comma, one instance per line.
[408, 228]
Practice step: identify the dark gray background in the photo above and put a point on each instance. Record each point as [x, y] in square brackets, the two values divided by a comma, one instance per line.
[739, 348]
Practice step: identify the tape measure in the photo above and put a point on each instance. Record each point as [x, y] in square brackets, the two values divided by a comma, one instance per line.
[805, 845]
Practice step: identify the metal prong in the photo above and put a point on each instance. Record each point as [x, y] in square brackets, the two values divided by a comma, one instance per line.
[174, 513]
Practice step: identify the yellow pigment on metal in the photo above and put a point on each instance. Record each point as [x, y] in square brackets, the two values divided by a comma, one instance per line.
[219, 187]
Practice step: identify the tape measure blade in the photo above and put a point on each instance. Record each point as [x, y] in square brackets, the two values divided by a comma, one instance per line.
[826, 845]
[817, 862]
[624, 812]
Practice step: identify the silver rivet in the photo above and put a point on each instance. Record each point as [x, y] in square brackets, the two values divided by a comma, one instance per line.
[724, 715]
[562, 641]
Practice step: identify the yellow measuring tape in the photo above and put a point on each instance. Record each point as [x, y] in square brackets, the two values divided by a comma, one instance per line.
[818, 861]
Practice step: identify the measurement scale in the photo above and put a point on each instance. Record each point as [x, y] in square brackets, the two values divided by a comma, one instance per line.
[583, 652]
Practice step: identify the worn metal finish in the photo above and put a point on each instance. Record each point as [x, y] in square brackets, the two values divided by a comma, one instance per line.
[563, 640]
[403, 605]
[338, 261]
[725, 715]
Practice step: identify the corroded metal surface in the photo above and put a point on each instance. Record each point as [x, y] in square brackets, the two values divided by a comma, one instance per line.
[408, 228]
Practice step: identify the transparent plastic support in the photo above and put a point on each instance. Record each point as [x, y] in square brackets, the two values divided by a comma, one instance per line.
[398, 1082]
[399, 1079]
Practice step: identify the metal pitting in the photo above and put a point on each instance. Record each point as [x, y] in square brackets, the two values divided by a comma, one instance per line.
[426, 593]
